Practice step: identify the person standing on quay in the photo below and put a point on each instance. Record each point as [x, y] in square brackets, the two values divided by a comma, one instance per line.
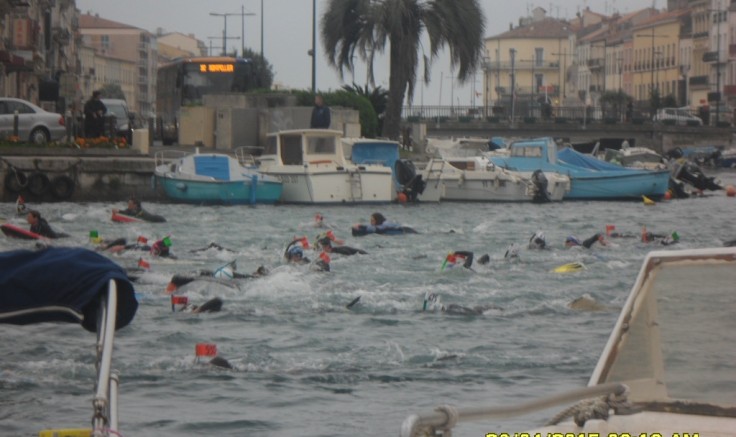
[320, 114]
[94, 116]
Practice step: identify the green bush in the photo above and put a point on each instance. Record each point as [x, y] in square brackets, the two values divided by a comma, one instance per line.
[494, 119]
[530, 120]
[637, 120]
[669, 122]
[465, 119]
[561, 120]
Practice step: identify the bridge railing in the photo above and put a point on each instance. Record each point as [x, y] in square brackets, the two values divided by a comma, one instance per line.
[523, 113]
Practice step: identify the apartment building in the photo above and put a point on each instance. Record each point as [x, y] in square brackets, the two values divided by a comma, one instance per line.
[123, 55]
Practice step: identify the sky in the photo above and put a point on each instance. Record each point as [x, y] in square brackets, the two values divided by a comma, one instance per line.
[287, 36]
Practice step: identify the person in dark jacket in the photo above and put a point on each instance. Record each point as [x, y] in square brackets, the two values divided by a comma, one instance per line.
[94, 116]
[39, 225]
[320, 114]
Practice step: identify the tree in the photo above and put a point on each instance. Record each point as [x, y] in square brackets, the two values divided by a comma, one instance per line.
[367, 26]
[377, 96]
[262, 68]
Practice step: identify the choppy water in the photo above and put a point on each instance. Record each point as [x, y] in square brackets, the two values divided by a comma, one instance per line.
[306, 365]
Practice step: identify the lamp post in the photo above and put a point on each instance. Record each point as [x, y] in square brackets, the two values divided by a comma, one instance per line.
[313, 52]
[651, 80]
[261, 28]
[512, 53]
[224, 31]
[242, 28]
[718, 65]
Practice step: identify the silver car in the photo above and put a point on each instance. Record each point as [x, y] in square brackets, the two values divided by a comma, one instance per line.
[35, 124]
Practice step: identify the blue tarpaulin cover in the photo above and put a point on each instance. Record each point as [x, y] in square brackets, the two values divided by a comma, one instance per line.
[61, 285]
[573, 157]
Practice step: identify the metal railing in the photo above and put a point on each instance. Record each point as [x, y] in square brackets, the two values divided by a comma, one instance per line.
[444, 418]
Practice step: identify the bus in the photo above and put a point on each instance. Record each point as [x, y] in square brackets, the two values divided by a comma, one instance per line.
[185, 81]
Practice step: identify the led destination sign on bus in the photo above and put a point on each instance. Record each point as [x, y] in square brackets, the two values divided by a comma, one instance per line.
[216, 68]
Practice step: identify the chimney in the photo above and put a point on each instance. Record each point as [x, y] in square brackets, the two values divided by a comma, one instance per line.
[511, 26]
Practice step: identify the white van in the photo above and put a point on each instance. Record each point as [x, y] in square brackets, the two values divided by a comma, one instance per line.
[119, 109]
[681, 116]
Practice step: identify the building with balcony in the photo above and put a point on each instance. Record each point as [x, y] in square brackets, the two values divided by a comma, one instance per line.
[526, 65]
[38, 51]
[655, 56]
[119, 46]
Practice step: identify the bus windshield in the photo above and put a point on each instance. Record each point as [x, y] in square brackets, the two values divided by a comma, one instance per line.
[200, 79]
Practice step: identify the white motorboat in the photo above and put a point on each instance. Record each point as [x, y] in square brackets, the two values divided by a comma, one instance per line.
[313, 169]
[476, 178]
[666, 370]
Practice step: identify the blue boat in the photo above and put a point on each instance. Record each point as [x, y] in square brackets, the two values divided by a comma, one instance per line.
[213, 178]
[590, 178]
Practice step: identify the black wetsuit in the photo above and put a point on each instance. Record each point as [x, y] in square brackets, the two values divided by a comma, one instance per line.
[468, 257]
[591, 241]
[143, 215]
[42, 228]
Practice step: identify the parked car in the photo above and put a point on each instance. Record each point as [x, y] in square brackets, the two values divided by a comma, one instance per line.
[681, 116]
[35, 124]
[118, 109]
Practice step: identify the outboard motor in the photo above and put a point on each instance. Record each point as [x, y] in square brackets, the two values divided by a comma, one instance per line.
[413, 183]
[693, 175]
[540, 186]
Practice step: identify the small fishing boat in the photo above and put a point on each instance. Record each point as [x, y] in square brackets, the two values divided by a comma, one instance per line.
[213, 178]
[72, 285]
[312, 166]
[667, 368]
[590, 178]
[476, 178]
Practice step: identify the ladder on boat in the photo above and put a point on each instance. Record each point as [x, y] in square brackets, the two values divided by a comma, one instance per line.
[356, 185]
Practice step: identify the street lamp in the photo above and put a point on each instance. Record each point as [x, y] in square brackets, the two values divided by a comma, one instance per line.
[224, 15]
[512, 53]
[224, 32]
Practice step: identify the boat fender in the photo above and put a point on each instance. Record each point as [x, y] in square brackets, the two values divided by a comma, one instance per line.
[15, 180]
[38, 183]
[62, 187]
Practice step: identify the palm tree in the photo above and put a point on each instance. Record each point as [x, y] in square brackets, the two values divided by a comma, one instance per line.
[366, 26]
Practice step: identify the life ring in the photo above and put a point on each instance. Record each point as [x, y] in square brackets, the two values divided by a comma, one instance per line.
[15, 180]
[38, 183]
[62, 187]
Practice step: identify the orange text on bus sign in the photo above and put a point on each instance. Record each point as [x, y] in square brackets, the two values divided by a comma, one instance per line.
[216, 68]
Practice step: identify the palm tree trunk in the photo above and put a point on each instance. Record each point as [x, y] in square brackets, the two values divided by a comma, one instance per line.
[396, 91]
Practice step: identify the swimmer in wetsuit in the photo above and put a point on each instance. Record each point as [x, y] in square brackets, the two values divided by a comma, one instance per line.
[538, 241]
[40, 226]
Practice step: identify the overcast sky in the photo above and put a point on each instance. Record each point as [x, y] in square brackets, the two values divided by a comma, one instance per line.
[287, 31]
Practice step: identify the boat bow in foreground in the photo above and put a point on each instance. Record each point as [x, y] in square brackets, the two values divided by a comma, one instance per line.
[666, 370]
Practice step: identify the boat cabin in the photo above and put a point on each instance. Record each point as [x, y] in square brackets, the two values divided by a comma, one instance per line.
[303, 147]
[539, 148]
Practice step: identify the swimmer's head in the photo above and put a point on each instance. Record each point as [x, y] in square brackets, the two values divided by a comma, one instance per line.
[572, 241]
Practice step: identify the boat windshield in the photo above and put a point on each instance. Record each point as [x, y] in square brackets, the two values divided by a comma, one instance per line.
[321, 145]
[527, 151]
[679, 336]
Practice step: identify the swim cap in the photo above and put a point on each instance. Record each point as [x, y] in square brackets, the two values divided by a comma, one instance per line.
[295, 250]
[572, 240]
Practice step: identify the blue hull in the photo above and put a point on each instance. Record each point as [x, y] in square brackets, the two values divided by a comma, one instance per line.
[631, 186]
[590, 178]
[220, 192]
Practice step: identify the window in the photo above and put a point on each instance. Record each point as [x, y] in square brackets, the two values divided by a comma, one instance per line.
[321, 145]
[538, 57]
[291, 149]
[105, 41]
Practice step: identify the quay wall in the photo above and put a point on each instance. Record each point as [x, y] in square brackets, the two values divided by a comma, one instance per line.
[94, 178]
[115, 175]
